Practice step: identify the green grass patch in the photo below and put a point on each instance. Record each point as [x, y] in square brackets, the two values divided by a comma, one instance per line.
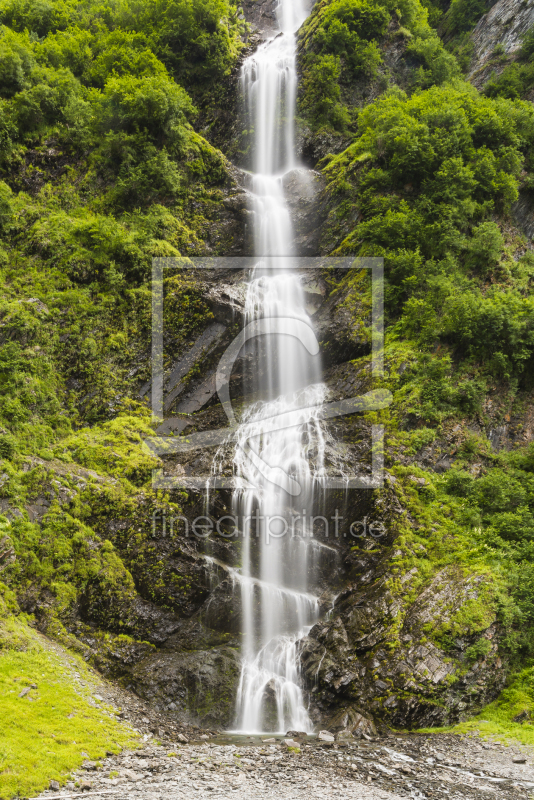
[496, 720]
[52, 729]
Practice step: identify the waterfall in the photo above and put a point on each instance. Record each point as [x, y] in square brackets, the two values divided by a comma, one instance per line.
[285, 467]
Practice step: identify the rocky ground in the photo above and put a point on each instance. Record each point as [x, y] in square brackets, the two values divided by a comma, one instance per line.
[414, 766]
[177, 759]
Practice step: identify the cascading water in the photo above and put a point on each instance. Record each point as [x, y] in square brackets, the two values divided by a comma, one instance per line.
[285, 466]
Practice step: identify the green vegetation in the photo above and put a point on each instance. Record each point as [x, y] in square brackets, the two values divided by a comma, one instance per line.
[425, 174]
[508, 717]
[343, 45]
[428, 180]
[517, 79]
[102, 169]
[51, 729]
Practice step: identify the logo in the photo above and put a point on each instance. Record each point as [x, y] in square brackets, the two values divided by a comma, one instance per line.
[162, 393]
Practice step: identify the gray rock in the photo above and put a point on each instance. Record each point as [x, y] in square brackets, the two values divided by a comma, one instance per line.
[352, 722]
[202, 683]
[293, 743]
[325, 736]
[505, 24]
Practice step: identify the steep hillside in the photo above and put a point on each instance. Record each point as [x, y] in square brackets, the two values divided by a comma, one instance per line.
[110, 124]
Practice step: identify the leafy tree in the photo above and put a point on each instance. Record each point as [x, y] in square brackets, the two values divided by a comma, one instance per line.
[16, 61]
[154, 104]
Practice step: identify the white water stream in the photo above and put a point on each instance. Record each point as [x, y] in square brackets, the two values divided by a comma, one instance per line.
[285, 466]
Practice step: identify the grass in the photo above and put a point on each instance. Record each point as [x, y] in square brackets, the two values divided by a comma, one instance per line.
[53, 729]
[496, 720]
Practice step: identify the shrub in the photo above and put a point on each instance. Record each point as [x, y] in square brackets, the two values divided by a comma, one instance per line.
[16, 61]
[122, 53]
[7, 446]
[6, 206]
[322, 98]
[154, 104]
[498, 491]
[485, 247]
[459, 483]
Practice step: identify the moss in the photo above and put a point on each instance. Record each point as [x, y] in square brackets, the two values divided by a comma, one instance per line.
[52, 729]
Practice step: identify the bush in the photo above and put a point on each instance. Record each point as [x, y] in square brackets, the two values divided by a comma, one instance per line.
[517, 79]
[459, 483]
[46, 102]
[497, 328]
[349, 29]
[485, 247]
[7, 446]
[16, 62]
[123, 53]
[322, 93]
[196, 39]
[39, 17]
[6, 207]
[498, 491]
[69, 49]
[154, 104]
[156, 178]
[463, 15]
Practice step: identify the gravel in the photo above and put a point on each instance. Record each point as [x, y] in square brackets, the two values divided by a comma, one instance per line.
[409, 766]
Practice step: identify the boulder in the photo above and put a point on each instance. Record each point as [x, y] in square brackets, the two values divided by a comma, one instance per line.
[291, 743]
[350, 722]
[325, 736]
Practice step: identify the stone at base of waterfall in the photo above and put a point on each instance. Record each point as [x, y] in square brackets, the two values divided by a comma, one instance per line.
[269, 741]
[350, 719]
[293, 743]
[344, 734]
[325, 736]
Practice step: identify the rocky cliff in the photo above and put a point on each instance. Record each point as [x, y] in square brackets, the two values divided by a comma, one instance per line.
[497, 38]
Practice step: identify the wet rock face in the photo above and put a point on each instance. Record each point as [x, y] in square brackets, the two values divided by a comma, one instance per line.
[312, 147]
[376, 656]
[203, 683]
[503, 26]
[261, 15]
[523, 213]
[303, 189]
